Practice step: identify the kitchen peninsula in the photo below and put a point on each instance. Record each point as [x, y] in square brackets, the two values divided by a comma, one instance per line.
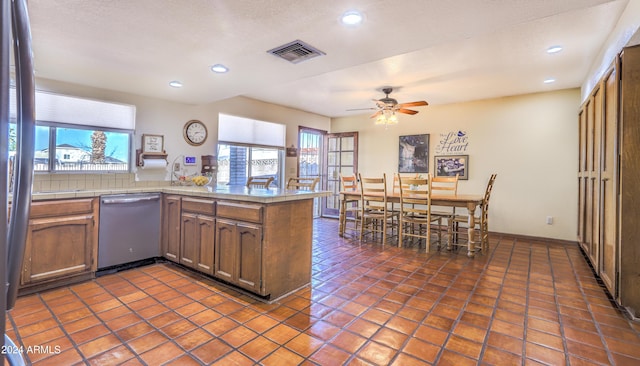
[256, 239]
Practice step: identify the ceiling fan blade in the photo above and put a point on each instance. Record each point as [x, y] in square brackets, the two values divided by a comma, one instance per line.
[361, 109]
[413, 104]
[376, 114]
[406, 111]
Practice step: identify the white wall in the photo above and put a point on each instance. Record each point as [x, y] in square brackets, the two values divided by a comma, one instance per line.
[530, 141]
[161, 117]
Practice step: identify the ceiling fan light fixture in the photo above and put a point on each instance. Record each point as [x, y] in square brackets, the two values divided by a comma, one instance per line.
[352, 18]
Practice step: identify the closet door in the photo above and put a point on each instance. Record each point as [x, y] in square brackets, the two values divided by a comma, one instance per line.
[608, 186]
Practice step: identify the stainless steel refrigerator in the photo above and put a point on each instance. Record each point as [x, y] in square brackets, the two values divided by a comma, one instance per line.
[16, 45]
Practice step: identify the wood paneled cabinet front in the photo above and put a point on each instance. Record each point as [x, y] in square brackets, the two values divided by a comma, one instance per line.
[198, 234]
[61, 241]
[171, 222]
[238, 258]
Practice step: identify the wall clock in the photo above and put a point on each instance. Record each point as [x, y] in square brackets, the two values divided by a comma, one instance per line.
[195, 132]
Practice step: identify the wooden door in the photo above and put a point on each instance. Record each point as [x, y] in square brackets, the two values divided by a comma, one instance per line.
[342, 158]
[249, 266]
[189, 245]
[225, 250]
[57, 247]
[608, 178]
[171, 227]
[594, 179]
[206, 233]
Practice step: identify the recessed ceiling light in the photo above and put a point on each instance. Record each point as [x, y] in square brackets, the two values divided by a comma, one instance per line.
[554, 49]
[219, 68]
[549, 81]
[351, 17]
[175, 84]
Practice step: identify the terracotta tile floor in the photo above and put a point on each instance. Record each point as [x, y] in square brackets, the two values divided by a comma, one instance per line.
[524, 302]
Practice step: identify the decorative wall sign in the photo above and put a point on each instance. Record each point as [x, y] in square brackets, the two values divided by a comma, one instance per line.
[152, 144]
[413, 156]
[450, 165]
[454, 142]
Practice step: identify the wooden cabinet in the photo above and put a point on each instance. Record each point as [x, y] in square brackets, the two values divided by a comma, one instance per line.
[608, 175]
[238, 251]
[264, 248]
[171, 221]
[61, 242]
[197, 234]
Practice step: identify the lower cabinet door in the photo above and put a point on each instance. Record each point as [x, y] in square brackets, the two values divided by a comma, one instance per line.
[206, 228]
[225, 250]
[189, 242]
[249, 256]
[58, 247]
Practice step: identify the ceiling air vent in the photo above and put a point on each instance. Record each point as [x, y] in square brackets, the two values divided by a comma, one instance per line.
[296, 52]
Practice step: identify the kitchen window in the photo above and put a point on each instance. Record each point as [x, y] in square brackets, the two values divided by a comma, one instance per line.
[79, 135]
[78, 149]
[236, 163]
[249, 148]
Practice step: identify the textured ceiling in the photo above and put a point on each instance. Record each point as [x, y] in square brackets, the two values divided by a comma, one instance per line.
[439, 51]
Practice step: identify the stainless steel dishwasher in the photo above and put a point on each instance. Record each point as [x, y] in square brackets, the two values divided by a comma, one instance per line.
[129, 229]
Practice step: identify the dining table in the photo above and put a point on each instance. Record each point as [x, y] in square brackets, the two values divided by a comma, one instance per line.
[468, 201]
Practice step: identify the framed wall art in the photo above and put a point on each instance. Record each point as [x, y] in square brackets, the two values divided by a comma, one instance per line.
[450, 165]
[152, 144]
[413, 155]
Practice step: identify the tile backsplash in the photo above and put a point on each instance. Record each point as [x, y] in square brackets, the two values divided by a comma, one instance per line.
[65, 182]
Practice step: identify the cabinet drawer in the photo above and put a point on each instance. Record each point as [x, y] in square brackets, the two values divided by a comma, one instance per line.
[61, 208]
[202, 206]
[240, 211]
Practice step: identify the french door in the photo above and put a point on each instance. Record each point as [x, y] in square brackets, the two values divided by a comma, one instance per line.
[310, 159]
[342, 158]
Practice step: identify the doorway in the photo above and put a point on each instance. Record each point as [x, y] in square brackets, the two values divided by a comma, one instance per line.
[342, 158]
[310, 159]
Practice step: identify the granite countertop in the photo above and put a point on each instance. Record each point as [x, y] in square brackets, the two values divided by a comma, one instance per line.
[239, 193]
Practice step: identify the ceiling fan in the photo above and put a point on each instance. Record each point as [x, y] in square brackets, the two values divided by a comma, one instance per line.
[389, 105]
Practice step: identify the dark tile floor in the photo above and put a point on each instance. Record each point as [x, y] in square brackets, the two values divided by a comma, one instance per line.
[523, 302]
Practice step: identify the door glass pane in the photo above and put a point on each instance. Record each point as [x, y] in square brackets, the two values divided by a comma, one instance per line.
[347, 171]
[333, 144]
[332, 158]
[346, 158]
[347, 143]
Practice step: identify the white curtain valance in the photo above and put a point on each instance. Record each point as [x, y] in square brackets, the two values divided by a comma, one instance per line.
[250, 131]
[59, 108]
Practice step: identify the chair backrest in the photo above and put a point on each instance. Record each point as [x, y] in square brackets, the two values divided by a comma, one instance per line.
[415, 196]
[259, 182]
[303, 183]
[396, 181]
[373, 192]
[487, 194]
[445, 185]
[348, 183]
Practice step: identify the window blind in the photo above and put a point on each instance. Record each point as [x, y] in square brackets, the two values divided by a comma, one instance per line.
[59, 108]
[250, 131]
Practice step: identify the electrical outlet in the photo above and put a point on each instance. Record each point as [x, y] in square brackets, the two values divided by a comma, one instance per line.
[176, 167]
[549, 220]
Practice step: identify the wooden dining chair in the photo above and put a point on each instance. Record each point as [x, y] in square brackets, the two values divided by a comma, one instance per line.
[481, 220]
[303, 183]
[259, 182]
[442, 186]
[375, 215]
[352, 205]
[416, 217]
[395, 188]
